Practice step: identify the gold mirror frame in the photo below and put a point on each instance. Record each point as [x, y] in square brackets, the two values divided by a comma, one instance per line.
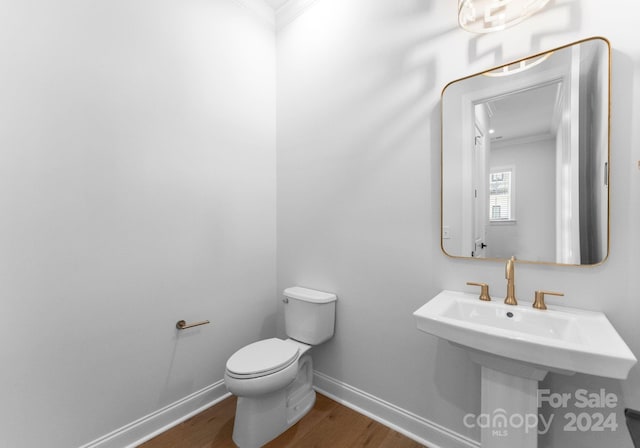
[538, 58]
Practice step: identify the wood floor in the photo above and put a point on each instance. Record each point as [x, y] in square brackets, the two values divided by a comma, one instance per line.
[327, 425]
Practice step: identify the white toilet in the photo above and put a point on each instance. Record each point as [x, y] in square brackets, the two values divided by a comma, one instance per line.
[273, 378]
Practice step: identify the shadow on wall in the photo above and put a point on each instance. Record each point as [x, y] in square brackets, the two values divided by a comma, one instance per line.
[178, 379]
[454, 368]
[566, 15]
[176, 382]
[394, 111]
[379, 116]
[389, 112]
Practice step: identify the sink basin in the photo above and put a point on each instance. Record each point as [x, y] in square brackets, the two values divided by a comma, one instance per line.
[559, 339]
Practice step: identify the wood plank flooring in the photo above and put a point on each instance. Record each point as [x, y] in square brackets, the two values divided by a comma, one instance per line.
[327, 425]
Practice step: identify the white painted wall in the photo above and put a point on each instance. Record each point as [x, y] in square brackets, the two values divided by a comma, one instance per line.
[358, 193]
[137, 188]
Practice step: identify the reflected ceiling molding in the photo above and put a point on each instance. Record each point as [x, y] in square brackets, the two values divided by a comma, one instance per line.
[290, 10]
[486, 16]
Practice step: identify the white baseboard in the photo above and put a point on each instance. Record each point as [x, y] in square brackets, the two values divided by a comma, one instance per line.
[411, 425]
[149, 426]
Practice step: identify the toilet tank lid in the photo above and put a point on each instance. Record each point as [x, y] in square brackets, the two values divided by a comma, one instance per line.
[309, 295]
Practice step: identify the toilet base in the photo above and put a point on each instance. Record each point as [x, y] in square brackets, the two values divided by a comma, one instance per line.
[263, 418]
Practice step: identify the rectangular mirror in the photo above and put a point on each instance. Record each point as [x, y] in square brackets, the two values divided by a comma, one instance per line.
[525, 159]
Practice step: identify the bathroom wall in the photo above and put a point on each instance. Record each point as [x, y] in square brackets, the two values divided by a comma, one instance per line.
[358, 128]
[137, 188]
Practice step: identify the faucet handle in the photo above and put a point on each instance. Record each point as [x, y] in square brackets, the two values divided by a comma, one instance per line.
[484, 290]
[539, 300]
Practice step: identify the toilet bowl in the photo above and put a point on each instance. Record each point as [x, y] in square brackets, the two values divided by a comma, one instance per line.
[273, 378]
[263, 367]
[273, 394]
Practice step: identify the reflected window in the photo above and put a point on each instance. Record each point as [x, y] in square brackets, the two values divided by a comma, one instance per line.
[501, 195]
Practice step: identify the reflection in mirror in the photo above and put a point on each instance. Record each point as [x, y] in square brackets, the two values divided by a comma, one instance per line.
[525, 159]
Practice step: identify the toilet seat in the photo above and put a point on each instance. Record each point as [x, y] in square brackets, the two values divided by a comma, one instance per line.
[262, 358]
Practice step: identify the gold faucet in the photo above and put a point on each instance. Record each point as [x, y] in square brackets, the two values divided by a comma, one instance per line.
[511, 282]
[484, 291]
[539, 301]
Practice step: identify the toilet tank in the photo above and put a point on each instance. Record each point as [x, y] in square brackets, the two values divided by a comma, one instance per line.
[309, 315]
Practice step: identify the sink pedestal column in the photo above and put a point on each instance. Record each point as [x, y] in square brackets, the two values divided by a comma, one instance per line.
[510, 408]
[509, 399]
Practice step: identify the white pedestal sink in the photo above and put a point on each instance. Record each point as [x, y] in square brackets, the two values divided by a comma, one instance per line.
[517, 346]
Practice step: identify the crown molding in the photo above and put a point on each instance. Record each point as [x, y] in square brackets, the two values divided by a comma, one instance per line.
[259, 8]
[281, 16]
[291, 10]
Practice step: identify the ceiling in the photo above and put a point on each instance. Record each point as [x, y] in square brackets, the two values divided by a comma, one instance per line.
[275, 4]
[525, 113]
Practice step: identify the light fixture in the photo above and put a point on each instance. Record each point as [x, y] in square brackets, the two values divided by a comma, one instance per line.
[485, 16]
